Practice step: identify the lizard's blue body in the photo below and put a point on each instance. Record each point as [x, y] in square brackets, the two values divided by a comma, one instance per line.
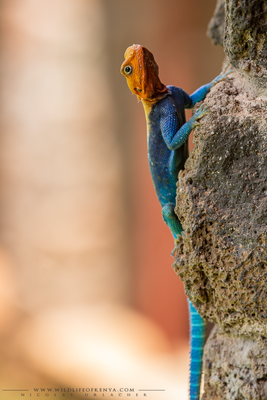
[167, 135]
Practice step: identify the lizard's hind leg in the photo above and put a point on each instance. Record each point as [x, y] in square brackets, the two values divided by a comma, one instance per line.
[171, 219]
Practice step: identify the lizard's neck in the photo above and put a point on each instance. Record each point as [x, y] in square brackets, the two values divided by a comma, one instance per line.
[147, 108]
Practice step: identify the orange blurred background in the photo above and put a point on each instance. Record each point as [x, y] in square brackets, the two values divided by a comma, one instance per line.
[88, 295]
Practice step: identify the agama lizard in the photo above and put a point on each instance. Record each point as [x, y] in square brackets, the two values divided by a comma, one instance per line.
[167, 140]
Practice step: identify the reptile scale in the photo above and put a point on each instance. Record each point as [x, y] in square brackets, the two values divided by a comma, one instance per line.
[167, 141]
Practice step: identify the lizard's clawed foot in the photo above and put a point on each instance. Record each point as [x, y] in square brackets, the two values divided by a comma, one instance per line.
[201, 111]
[225, 68]
[223, 74]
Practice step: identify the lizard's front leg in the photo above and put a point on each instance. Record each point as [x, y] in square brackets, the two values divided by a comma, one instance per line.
[202, 92]
[181, 136]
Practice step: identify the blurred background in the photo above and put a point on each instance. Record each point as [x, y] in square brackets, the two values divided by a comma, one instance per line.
[88, 298]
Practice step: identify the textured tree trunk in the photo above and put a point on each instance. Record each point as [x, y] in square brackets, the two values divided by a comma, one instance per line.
[222, 202]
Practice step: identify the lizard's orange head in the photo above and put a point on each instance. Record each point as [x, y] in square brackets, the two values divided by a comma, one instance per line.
[142, 74]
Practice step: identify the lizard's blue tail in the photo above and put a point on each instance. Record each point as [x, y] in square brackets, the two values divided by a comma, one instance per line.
[197, 339]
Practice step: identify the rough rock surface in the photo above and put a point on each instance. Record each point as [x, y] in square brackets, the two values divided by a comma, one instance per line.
[222, 255]
[245, 40]
[235, 368]
[222, 203]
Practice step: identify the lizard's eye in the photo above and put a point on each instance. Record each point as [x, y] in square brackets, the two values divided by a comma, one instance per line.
[128, 70]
